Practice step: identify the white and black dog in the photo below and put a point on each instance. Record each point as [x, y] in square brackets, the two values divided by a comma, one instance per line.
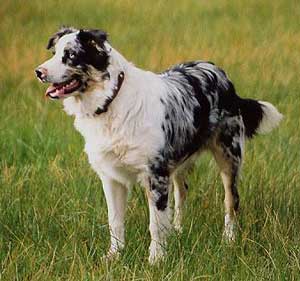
[149, 128]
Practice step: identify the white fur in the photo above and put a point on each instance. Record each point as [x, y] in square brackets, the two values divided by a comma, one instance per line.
[159, 228]
[116, 198]
[229, 229]
[271, 118]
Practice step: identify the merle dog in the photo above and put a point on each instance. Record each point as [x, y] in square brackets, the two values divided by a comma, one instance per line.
[144, 127]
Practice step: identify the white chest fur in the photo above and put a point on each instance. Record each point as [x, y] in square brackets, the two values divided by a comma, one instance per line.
[118, 147]
[121, 142]
[108, 152]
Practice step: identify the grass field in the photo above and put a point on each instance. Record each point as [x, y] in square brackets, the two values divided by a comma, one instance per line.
[53, 222]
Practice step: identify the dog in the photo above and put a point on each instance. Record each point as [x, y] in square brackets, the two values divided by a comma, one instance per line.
[150, 128]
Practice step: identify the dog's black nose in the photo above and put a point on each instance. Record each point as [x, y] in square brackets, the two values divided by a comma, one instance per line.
[41, 73]
[38, 73]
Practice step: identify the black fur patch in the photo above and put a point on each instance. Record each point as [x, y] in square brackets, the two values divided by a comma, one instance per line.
[234, 191]
[159, 182]
[96, 35]
[252, 114]
[186, 186]
[162, 202]
[89, 53]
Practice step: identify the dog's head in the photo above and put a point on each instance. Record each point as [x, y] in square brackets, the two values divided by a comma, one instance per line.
[80, 59]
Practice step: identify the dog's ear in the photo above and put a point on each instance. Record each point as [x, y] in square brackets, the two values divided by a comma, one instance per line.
[92, 35]
[60, 33]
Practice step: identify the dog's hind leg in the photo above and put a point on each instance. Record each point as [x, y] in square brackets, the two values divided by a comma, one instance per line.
[180, 190]
[228, 151]
[116, 199]
[157, 189]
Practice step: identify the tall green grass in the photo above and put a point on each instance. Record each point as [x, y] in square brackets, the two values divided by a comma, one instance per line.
[53, 223]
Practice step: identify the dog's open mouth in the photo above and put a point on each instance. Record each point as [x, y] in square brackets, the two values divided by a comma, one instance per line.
[61, 90]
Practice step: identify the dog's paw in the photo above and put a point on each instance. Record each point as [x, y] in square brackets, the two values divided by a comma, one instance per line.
[229, 234]
[177, 223]
[111, 255]
[178, 228]
[157, 253]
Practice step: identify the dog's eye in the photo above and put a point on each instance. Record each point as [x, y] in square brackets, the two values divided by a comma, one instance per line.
[72, 56]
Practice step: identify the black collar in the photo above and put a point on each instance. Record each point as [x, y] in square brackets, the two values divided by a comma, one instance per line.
[115, 91]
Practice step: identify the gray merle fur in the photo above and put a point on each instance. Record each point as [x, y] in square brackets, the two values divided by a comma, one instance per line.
[202, 106]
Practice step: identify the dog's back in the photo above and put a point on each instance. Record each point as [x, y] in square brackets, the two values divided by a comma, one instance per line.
[200, 100]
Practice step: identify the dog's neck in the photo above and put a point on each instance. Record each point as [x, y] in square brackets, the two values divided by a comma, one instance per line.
[97, 101]
[115, 91]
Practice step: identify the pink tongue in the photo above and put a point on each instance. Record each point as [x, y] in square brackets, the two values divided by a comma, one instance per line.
[54, 91]
[50, 89]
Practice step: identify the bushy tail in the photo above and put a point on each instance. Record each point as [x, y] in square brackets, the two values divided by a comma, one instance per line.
[259, 117]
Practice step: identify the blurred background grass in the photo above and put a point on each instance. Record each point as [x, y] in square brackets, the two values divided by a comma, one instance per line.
[53, 223]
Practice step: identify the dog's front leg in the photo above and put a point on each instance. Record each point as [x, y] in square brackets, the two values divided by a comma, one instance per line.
[116, 199]
[160, 225]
